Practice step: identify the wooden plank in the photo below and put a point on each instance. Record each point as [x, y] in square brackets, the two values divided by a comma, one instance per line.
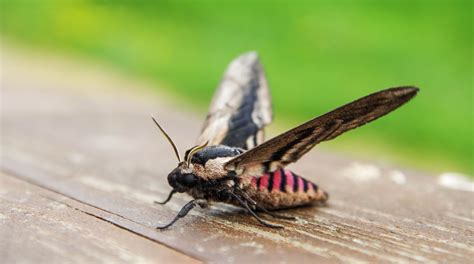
[39, 226]
[100, 148]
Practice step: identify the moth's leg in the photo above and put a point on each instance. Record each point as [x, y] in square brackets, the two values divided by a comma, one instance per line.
[275, 215]
[184, 211]
[258, 207]
[246, 197]
[246, 206]
[167, 199]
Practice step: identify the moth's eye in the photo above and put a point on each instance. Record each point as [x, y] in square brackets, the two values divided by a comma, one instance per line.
[189, 180]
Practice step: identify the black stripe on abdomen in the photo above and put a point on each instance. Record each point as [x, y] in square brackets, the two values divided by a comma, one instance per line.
[295, 182]
[270, 182]
[305, 184]
[283, 181]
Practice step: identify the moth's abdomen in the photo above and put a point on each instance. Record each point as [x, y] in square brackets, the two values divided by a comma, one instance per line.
[283, 189]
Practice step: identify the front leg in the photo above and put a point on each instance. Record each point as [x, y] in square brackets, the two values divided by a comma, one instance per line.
[185, 210]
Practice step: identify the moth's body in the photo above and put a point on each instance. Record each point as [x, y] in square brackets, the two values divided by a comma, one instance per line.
[283, 189]
[233, 164]
[275, 190]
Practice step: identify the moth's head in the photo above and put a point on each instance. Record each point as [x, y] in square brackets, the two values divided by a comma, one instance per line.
[182, 177]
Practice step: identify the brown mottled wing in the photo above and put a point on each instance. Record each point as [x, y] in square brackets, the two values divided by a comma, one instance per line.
[241, 106]
[291, 145]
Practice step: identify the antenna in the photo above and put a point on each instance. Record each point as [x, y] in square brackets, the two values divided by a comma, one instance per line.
[194, 150]
[168, 138]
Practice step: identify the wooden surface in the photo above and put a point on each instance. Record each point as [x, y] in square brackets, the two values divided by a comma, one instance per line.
[82, 164]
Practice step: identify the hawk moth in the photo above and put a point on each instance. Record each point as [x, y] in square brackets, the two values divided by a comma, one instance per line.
[232, 163]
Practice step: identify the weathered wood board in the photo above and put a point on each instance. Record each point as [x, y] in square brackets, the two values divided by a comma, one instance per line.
[40, 226]
[86, 136]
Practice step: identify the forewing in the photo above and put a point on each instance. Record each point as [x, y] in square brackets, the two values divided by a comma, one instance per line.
[241, 106]
[291, 145]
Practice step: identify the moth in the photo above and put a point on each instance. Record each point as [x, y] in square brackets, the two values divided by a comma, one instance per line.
[232, 164]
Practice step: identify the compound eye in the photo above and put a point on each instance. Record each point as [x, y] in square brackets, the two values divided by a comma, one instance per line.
[189, 180]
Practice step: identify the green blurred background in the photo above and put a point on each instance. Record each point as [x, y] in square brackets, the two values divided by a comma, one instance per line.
[317, 55]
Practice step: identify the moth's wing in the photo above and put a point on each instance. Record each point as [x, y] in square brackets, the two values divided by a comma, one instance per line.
[241, 106]
[291, 145]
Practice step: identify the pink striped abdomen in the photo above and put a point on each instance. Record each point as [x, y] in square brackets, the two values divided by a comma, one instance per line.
[282, 189]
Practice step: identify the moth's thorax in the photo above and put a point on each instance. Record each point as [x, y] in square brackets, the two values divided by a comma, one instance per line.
[213, 169]
[205, 165]
[209, 162]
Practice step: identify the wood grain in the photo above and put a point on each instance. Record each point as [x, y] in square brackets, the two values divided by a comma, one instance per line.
[40, 226]
[86, 135]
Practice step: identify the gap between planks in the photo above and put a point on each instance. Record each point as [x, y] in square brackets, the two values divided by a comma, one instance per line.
[92, 211]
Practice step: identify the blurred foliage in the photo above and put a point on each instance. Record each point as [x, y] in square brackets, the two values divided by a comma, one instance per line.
[317, 55]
